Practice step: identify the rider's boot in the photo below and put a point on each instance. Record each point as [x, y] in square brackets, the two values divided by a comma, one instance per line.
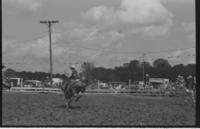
[74, 92]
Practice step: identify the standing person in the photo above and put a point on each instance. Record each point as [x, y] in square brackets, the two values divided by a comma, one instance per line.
[195, 82]
[190, 87]
[178, 81]
[190, 83]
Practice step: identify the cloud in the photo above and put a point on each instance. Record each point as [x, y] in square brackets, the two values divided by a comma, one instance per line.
[148, 17]
[143, 11]
[157, 30]
[69, 45]
[91, 36]
[188, 26]
[38, 49]
[189, 29]
[31, 5]
[7, 44]
[130, 12]
[179, 1]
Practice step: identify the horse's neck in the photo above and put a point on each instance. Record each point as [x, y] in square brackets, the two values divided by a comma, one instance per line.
[64, 83]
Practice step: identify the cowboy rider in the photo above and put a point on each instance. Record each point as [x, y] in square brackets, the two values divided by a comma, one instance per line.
[74, 74]
[74, 78]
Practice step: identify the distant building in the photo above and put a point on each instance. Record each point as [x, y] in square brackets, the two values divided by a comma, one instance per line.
[102, 85]
[32, 83]
[57, 81]
[16, 82]
[158, 83]
[141, 83]
[117, 85]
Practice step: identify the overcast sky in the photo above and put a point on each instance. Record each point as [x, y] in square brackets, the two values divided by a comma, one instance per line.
[106, 32]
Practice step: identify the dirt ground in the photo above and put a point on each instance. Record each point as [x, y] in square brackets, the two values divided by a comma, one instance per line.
[26, 109]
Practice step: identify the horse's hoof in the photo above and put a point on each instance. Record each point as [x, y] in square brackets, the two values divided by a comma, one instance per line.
[68, 107]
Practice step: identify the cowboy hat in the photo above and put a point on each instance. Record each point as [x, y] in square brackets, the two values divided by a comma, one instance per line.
[72, 66]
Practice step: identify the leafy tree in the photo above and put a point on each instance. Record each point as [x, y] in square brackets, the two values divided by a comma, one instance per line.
[132, 70]
[161, 63]
[10, 73]
[86, 70]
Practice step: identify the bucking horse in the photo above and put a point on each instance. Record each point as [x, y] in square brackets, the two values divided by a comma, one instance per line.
[70, 86]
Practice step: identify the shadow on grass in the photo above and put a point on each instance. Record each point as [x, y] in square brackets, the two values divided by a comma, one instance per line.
[71, 107]
[75, 107]
[61, 106]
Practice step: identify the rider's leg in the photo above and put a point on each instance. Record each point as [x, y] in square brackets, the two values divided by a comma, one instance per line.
[74, 91]
[70, 85]
[67, 104]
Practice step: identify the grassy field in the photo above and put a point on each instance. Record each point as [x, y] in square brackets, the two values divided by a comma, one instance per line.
[96, 110]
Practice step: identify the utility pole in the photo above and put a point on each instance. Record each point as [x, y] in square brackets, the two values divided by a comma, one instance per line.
[50, 48]
[143, 69]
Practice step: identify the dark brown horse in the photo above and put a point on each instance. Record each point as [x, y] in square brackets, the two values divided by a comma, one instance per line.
[72, 87]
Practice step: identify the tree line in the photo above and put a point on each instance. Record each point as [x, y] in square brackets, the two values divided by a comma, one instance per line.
[132, 70]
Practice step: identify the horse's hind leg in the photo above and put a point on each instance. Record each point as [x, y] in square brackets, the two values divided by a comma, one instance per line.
[69, 103]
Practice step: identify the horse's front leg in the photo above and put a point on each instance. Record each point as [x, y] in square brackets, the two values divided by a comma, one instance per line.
[67, 103]
[78, 97]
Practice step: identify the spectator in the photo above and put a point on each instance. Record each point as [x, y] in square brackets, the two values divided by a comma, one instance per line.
[190, 83]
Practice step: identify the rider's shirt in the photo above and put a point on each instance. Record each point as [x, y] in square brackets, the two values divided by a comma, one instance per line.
[74, 75]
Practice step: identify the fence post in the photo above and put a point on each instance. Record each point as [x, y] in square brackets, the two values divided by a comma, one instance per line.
[98, 84]
[129, 84]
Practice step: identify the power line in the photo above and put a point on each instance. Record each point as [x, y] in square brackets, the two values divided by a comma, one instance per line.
[130, 52]
[143, 70]
[168, 50]
[113, 51]
[119, 60]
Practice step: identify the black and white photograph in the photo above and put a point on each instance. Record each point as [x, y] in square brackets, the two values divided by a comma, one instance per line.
[98, 63]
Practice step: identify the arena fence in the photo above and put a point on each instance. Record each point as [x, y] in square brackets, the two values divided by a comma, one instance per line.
[154, 92]
[34, 89]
